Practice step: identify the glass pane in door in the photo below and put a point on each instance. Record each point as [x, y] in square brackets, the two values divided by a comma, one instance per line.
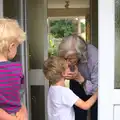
[117, 44]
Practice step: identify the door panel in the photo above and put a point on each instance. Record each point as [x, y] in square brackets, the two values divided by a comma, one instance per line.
[116, 112]
[109, 70]
[37, 102]
[117, 44]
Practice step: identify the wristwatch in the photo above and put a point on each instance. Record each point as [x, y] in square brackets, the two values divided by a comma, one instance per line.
[83, 83]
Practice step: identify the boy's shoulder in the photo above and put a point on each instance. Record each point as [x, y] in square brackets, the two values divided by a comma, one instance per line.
[10, 64]
[56, 87]
[11, 67]
[61, 90]
[62, 95]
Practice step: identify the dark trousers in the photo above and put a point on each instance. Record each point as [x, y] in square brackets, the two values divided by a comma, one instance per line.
[79, 113]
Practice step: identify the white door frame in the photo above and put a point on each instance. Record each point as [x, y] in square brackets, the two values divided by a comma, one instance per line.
[108, 96]
[1, 8]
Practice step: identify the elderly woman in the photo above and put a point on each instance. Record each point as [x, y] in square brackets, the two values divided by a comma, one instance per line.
[84, 77]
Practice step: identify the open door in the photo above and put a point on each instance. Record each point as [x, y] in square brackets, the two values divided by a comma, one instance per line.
[109, 60]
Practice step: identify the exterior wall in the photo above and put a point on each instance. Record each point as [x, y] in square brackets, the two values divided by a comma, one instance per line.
[38, 47]
[37, 32]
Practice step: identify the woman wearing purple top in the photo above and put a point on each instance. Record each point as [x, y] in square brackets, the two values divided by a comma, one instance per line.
[84, 80]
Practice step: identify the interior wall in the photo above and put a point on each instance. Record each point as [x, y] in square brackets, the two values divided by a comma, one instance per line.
[94, 21]
[1, 8]
[11, 9]
[13, 13]
[67, 12]
[72, 3]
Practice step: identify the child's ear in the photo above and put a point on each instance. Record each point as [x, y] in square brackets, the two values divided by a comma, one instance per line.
[11, 46]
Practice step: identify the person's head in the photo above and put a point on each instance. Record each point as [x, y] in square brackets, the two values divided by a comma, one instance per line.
[11, 35]
[73, 48]
[55, 68]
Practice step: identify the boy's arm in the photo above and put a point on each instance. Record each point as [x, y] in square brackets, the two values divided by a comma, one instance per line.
[5, 116]
[85, 105]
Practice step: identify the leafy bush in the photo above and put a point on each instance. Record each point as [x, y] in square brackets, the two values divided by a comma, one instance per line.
[61, 28]
[52, 47]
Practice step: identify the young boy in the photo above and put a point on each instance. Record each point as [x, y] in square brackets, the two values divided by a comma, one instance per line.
[11, 76]
[60, 98]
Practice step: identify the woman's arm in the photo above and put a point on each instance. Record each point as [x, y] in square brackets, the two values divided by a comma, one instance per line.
[90, 86]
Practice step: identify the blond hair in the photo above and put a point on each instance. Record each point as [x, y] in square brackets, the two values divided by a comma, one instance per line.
[10, 31]
[53, 68]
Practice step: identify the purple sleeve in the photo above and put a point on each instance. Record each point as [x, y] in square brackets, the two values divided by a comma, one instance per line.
[91, 85]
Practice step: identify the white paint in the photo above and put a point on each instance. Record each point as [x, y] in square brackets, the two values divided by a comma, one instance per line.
[1, 8]
[117, 112]
[36, 77]
[108, 96]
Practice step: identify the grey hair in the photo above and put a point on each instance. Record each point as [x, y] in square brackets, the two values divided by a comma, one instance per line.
[73, 44]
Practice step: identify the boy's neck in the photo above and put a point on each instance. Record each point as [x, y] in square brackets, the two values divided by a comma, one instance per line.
[61, 82]
[3, 58]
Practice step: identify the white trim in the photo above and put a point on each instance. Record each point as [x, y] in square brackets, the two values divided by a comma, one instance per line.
[36, 77]
[106, 58]
[1, 8]
[116, 97]
[116, 112]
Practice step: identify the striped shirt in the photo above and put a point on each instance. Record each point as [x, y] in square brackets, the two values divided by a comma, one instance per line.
[11, 78]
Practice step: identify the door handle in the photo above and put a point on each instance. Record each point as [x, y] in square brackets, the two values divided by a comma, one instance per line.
[34, 99]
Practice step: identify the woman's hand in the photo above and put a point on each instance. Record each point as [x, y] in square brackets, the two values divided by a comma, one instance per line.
[75, 76]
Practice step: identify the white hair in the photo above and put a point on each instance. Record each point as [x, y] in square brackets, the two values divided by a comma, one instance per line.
[73, 44]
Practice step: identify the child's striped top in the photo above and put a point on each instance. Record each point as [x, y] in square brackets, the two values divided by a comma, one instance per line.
[11, 78]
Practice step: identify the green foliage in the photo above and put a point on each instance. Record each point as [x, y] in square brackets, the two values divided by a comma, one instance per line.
[52, 47]
[82, 27]
[61, 28]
